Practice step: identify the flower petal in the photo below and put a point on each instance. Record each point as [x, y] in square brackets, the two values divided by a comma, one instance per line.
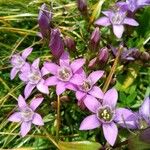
[118, 30]
[23, 76]
[92, 103]
[96, 92]
[60, 88]
[125, 118]
[28, 89]
[35, 63]
[15, 117]
[42, 87]
[77, 64]
[37, 120]
[90, 122]
[110, 97]
[107, 13]
[25, 68]
[36, 102]
[51, 81]
[13, 73]
[27, 52]
[44, 71]
[80, 95]
[21, 102]
[25, 128]
[110, 132]
[64, 59]
[103, 21]
[95, 76]
[71, 86]
[51, 67]
[131, 22]
[77, 79]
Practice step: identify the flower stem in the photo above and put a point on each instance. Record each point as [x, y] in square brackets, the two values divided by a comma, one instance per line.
[112, 71]
[58, 118]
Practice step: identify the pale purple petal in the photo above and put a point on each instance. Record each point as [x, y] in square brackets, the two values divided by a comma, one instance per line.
[71, 86]
[51, 67]
[60, 88]
[95, 76]
[37, 120]
[110, 132]
[81, 72]
[90, 122]
[77, 79]
[125, 118]
[27, 52]
[103, 21]
[64, 59]
[80, 95]
[25, 128]
[77, 64]
[15, 117]
[13, 73]
[96, 92]
[118, 30]
[92, 103]
[131, 22]
[44, 71]
[24, 76]
[35, 63]
[107, 13]
[25, 68]
[21, 102]
[36, 102]
[51, 81]
[28, 89]
[110, 98]
[42, 87]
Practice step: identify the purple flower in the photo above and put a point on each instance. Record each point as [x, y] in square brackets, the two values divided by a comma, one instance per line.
[103, 55]
[70, 43]
[117, 19]
[33, 77]
[19, 62]
[105, 115]
[133, 5]
[27, 115]
[44, 19]
[56, 43]
[64, 73]
[86, 85]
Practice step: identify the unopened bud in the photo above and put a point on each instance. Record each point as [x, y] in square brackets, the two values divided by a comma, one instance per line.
[64, 99]
[92, 63]
[95, 38]
[82, 6]
[70, 43]
[103, 55]
[136, 53]
[145, 56]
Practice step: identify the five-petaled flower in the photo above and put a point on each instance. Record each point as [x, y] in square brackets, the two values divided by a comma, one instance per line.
[19, 62]
[27, 115]
[64, 73]
[117, 18]
[106, 115]
[33, 77]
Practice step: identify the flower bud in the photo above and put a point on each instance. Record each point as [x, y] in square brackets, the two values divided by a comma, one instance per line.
[70, 43]
[92, 63]
[64, 98]
[95, 38]
[56, 43]
[44, 19]
[103, 55]
[145, 56]
[82, 6]
[136, 53]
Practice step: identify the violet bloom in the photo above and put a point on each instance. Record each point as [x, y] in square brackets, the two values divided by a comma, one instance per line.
[19, 62]
[117, 19]
[133, 5]
[27, 115]
[33, 77]
[86, 85]
[64, 73]
[105, 115]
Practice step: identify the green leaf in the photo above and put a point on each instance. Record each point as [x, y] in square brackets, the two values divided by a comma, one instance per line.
[79, 145]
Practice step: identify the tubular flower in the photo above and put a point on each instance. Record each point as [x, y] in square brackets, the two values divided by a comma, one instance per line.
[27, 115]
[19, 62]
[64, 73]
[105, 115]
[117, 19]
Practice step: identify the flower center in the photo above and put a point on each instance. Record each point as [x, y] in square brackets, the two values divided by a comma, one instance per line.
[86, 86]
[34, 76]
[64, 74]
[118, 18]
[27, 114]
[105, 114]
[17, 61]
